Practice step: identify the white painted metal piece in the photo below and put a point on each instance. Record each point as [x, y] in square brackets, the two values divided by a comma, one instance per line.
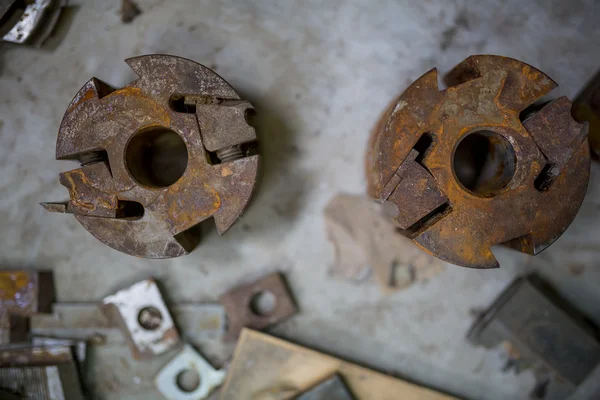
[188, 358]
[129, 302]
[30, 20]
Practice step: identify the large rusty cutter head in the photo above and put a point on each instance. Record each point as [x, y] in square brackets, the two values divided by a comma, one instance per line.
[158, 157]
[478, 164]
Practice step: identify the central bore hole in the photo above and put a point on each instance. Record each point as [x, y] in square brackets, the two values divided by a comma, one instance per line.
[188, 380]
[263, 303]
[156, 157]
[150, 318]
[484, 162]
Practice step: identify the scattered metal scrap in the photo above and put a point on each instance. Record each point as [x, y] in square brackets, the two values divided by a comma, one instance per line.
[21, 355]
[586, 107]
[29, 21]
[472, 166]
[242, 311]
[158, 156]
[86, 321]
[333, 388]
[365, 239]
[267, 368]
[143, 314]
[40, 373]
[188, 360]
[79, 347]
[23, 293]
[539, 331]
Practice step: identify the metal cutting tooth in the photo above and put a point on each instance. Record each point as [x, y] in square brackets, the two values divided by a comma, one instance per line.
[486, 166]
[159, 156]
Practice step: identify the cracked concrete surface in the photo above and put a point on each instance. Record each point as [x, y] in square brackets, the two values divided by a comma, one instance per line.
[319, 75]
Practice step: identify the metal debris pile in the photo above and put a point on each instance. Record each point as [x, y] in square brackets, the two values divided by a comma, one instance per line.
[53, 347]
[456, 171]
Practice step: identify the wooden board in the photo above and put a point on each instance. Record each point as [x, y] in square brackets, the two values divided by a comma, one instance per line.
[267, 368]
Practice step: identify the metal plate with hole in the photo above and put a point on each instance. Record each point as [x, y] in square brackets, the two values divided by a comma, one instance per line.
[169, 379]
[158, 156]
[257, 305]
[143, 314]
[479, 164]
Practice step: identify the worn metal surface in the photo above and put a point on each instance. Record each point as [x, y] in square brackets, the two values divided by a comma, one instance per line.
[45, 369]
[79, 347]
[586, 107]
[23, 293]
[34, 20]
[188, 359]
[330, 389]
[18, 355]
[59, 382]
[240, 312]
[26, 291]
[539, 332]
[196, 322]
[119, 194]
[307, 68]
[144, 317]
[524, 192]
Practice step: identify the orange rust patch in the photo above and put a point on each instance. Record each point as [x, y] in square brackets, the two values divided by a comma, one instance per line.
[226, 171]
[217, 198]
[76, 198]
[88, 95]
[12, 283]
[157, 110]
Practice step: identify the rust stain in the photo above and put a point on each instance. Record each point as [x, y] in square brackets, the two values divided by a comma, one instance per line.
[156, 109]
[88, 95]
[225, 171]
[501, 204]
[216, 198]
[149, 219]
[13, 283]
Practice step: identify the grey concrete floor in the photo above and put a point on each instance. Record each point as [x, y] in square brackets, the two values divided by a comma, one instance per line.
[319, 74]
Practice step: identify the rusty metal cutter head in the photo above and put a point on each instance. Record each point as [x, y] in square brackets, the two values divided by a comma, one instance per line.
[158, 157]
[479, 164]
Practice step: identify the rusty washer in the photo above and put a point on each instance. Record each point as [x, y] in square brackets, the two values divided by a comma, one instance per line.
[158, 157]
[476, 164]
